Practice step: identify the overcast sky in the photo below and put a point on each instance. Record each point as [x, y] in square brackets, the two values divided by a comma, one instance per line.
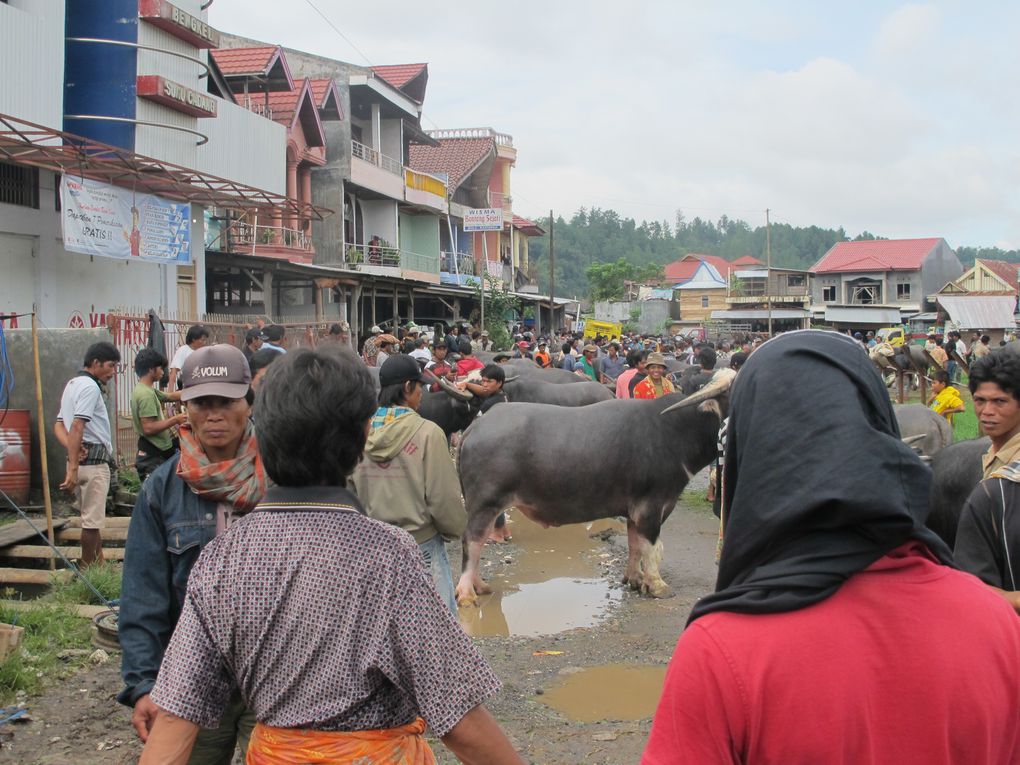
[901, 119]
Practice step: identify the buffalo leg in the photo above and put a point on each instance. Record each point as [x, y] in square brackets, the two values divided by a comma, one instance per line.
[471, 584]
[652, 582]
[633, 575]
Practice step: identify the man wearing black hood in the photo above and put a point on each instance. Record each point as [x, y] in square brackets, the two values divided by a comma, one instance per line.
[838, 631]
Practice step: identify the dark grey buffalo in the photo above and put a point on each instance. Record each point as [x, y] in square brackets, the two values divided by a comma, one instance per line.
[525, 388]
[552, 374]
[957, 470]
[928, 433]
[653, 448]
[449, 413]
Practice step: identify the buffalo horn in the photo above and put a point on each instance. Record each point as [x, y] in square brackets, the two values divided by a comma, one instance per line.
[452, 390]
[719, 383]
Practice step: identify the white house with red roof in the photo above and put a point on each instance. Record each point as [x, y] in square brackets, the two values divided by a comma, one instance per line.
[882, 282]
[983, 299]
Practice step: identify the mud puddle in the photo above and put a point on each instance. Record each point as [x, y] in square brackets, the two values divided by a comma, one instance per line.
[553, 582]
[608, 692]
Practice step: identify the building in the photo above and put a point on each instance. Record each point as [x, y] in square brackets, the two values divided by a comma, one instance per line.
[876, 283]
[703, 293]
[759, 297]
[983, 299]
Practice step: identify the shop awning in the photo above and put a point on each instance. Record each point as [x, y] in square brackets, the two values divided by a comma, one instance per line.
[25, 143]
[980, 311]
[883, 317]
[760, 313]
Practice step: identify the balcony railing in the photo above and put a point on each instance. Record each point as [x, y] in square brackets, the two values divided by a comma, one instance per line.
[424, 182]
[499, 200]
[458, 262]
[503, 139]
[373, 157]
[357, 256]
[243, 235]
[259, 106]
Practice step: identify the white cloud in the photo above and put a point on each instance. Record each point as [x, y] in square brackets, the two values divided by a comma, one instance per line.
[908, 30]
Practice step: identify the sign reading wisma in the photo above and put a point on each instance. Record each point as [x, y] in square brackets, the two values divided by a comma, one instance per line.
[114, 222]
[483, 219]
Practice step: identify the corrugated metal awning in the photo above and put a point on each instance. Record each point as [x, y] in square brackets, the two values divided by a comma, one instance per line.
[980, 311]
[883, 317]
[758, 313]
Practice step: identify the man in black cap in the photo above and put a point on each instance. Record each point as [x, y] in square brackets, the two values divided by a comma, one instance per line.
[252, 342]
[408, 478]
[272, 337]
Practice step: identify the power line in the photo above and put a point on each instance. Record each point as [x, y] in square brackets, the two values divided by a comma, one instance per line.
[337, 30]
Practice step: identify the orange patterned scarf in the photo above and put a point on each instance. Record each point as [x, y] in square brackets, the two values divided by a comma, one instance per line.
[239, 482]
[290, 746]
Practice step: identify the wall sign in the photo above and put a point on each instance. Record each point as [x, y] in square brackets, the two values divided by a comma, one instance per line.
[114, 222]
[171, 94]
[180, 24]
[483, 219]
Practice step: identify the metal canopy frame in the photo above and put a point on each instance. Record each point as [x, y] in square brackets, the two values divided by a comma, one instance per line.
[26, 143]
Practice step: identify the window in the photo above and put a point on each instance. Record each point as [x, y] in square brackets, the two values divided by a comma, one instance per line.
[903, 291]
[829, 294]
[19, 185]
[704, 301]
[795, 280]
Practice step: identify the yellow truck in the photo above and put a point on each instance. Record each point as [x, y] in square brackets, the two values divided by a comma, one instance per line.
[605, 328]
[895, 336]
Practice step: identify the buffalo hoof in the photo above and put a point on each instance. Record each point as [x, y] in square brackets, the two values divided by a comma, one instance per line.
[635, 583]
[466, 598]
[657, 589]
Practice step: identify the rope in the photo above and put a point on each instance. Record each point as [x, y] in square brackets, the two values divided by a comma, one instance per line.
[74, 569]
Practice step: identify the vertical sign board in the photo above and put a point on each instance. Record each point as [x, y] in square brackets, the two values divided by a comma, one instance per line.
[114, 222]
[483, 219]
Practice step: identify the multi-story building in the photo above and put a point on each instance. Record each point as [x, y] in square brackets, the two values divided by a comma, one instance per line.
[759, 296]
[876, 283]
[983, 299]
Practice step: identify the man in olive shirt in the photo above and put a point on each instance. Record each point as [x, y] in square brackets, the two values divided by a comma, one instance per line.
[155, 442]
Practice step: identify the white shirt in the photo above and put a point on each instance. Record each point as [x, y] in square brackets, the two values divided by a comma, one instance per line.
[181, 356]
[82, 400]
[421, 354]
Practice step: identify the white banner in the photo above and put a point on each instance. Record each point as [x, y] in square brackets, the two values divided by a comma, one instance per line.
[483, 219]
[114, 222]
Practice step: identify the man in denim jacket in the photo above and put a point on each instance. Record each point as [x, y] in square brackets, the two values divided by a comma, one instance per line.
[181, 507]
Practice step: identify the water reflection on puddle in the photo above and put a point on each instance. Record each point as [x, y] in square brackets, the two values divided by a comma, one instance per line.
[550, 587]
[608, 692]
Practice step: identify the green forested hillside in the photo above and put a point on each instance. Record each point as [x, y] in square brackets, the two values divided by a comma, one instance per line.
[593, 236]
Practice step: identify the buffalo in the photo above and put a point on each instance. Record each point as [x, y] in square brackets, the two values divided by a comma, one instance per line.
[957, 470]
[927, 432]
[525, 388]
[656, 447]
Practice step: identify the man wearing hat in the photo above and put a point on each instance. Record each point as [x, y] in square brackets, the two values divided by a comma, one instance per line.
[182, 506]
[440, 365]
[272, 336]
[588, 363]
[542, 357]
[523, 351]
[370, 350]
[655, 385]
[407, 477]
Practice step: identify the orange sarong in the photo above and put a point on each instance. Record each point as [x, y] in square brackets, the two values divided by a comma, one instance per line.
[291, 746]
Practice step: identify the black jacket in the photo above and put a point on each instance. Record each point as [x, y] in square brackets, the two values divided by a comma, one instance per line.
[988, 537]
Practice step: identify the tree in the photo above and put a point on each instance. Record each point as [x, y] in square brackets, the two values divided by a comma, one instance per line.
[606, 280]
[500, 306]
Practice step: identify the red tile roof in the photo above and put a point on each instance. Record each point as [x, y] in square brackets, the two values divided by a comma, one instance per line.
[1003, 269]
[527, 227]
[398, 75]
[683, 270]
[235, 61]
[454, 156]
[320, 86]
[747, 260]
[875, 255]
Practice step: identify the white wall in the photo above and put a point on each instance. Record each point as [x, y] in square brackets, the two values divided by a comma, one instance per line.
[392, 139]
[244, 147]
[32, 61]
[380, 219]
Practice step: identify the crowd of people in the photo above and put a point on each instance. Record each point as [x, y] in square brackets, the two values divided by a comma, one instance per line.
[286, 587]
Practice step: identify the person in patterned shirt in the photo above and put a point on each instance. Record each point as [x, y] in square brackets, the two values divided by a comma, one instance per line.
[326, 621]
[655, 385]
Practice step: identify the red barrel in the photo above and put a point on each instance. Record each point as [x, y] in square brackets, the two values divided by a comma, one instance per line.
[15, 454]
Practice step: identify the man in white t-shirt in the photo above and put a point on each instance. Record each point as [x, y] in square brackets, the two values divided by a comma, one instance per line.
[83, 428]
[197, 337]
[421, 352]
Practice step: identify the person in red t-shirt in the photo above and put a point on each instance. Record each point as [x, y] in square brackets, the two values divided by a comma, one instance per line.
[468, 363]
[838, 631]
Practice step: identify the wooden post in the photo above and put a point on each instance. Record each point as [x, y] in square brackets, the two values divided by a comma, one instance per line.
[41, 422]
[900, 375]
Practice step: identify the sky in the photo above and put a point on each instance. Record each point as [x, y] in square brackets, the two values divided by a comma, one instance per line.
[899, 119]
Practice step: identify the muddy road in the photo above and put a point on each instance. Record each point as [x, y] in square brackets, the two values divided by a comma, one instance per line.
[581, 657]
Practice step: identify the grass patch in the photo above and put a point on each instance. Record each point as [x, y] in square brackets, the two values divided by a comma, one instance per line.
[49, 629]
[695, 500]
[965, 424]
[129, 481]
[105, 577]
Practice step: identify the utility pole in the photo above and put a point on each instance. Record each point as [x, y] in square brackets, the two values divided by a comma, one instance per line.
[768, 267]
[552, 278]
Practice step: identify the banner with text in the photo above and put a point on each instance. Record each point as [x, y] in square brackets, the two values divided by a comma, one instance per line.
[483, 219]
[115, 222]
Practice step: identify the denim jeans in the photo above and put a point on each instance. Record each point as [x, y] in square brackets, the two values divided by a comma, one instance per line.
[434, 552]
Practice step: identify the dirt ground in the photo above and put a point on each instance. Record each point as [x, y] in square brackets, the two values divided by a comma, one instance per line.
[80, 723]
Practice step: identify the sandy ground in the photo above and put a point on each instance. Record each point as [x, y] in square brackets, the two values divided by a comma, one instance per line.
[79, 721]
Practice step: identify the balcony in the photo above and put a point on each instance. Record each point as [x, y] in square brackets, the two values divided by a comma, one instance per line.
[500, 201]
[778, 288]
[269, 242]
[501, 139]
[384, 260]
[425, 190]
[376, 171]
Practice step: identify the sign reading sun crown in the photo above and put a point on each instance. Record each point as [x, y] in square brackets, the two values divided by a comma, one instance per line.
[176, 96]
[180, 24]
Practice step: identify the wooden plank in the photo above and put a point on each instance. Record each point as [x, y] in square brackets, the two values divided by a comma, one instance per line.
[20, 530]
[42, 551]
[86, 612]
[112, 522]
[32, 576]
[109, 535]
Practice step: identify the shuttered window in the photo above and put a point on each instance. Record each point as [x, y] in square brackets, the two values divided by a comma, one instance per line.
[19, 185]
